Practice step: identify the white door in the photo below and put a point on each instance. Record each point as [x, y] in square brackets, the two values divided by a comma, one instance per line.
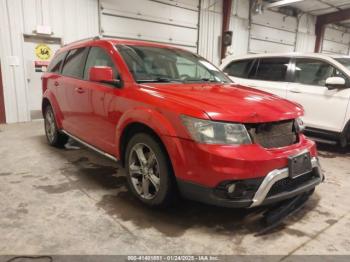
[37, 55]
[324, 109]
[267, 74]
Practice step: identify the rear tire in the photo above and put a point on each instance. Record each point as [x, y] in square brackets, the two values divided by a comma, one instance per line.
[53, 135]
[149, 171]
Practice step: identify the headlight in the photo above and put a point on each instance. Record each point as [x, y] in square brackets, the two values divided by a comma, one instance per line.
[211, 132]
[299, 125]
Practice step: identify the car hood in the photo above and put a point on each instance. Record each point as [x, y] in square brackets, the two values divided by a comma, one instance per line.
[228, 102]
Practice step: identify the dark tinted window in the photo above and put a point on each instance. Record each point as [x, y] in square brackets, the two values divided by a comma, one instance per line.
[239, 68]
[270, 69]
[312, 72]
[99, 57]
[55, 64]
[74, 63]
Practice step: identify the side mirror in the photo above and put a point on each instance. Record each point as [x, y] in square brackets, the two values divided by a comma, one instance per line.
[335, 83]
[103, 74]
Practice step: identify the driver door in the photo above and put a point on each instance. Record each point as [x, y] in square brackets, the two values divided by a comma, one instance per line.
[324, 108]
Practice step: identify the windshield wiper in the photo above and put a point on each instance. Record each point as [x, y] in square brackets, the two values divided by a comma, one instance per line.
[158, 80]
[202, 80]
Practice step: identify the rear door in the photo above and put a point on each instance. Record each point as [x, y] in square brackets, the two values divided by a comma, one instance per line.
[103, 99]
[324, 109]
[75, 99]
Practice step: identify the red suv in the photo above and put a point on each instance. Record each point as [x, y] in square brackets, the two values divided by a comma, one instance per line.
[177, 124]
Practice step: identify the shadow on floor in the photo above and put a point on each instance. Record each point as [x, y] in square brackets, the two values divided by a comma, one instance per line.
[332, 151]
[85, 171]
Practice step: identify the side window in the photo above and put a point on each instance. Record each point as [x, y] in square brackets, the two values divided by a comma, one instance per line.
[239, 68]
[74, 63]
[312, 72]
[270, 69]
[99, 57]
[57, 61]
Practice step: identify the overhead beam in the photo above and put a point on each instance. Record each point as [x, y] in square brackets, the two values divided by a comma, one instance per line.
[334, 17]
[226, 12]
[323, 20]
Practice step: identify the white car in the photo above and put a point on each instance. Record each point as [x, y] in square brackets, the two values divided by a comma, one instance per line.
[319, 82]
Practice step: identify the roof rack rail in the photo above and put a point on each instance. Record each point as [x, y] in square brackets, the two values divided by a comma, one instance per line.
[98, 37]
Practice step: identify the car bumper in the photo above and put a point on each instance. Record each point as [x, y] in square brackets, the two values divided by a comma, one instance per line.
[261, 197]
[203, 171]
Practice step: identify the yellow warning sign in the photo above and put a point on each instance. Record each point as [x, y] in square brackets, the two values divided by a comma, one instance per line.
[43, 52]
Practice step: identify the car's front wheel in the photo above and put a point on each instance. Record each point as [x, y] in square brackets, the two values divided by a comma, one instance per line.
[150, 175]
[53, 135]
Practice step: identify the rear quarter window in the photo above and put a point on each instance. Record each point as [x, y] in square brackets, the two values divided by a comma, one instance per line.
[56, 63]
[239, 68]
[75, 62]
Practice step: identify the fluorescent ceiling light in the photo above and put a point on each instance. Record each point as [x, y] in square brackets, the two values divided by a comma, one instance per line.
[282, 3]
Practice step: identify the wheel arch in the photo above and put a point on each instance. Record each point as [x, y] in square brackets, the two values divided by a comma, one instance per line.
[44, 104]
[345, 134]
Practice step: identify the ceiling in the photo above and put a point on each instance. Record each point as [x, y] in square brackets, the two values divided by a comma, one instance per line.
[321, 7]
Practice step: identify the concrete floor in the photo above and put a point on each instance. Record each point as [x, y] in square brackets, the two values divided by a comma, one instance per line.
[73, 201]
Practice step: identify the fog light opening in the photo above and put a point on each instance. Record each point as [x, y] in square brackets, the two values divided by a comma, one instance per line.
[231, 188]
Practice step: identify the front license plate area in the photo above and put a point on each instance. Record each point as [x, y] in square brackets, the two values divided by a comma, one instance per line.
[299, 164]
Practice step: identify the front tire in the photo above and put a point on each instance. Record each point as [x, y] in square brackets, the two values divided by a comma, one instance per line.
[53, 135]
[149, 172]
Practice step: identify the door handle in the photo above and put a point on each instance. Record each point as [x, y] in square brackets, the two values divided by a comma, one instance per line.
[80, 90]
[56, 83]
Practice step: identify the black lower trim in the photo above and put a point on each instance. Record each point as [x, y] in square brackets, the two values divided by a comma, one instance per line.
[206, 195]
[323, 133]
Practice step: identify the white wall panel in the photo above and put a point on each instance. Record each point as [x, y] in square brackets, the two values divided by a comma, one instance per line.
[336, 40]
[69, 19]
[272, 32]
[172, 22]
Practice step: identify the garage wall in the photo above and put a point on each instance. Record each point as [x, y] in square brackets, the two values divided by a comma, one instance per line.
[336, 40]
[306, 38]
[210, 30]
[69, 19]
[269, 32]
[172, 22]
[272, 32]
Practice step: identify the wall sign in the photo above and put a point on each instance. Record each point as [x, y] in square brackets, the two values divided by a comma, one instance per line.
[43, 52]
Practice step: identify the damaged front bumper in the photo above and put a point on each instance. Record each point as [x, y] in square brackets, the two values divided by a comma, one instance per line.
[276, 186]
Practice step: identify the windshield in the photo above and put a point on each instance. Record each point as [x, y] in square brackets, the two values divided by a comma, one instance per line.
[156, 64]
[344, 61]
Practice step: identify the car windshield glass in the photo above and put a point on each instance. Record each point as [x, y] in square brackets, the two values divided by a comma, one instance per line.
[344, 61]
[156, 64]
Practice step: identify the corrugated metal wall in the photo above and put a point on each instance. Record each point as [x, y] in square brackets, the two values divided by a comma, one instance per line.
[210, 30]
[306, 37]
[69, 19]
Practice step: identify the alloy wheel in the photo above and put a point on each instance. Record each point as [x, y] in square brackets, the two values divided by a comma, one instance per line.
[50, 126]
[144, 171]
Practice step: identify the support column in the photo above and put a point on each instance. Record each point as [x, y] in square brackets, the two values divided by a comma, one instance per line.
[226, 16]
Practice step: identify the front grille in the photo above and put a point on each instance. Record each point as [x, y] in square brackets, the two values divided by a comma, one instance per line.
[288, 184]
[273, 134]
